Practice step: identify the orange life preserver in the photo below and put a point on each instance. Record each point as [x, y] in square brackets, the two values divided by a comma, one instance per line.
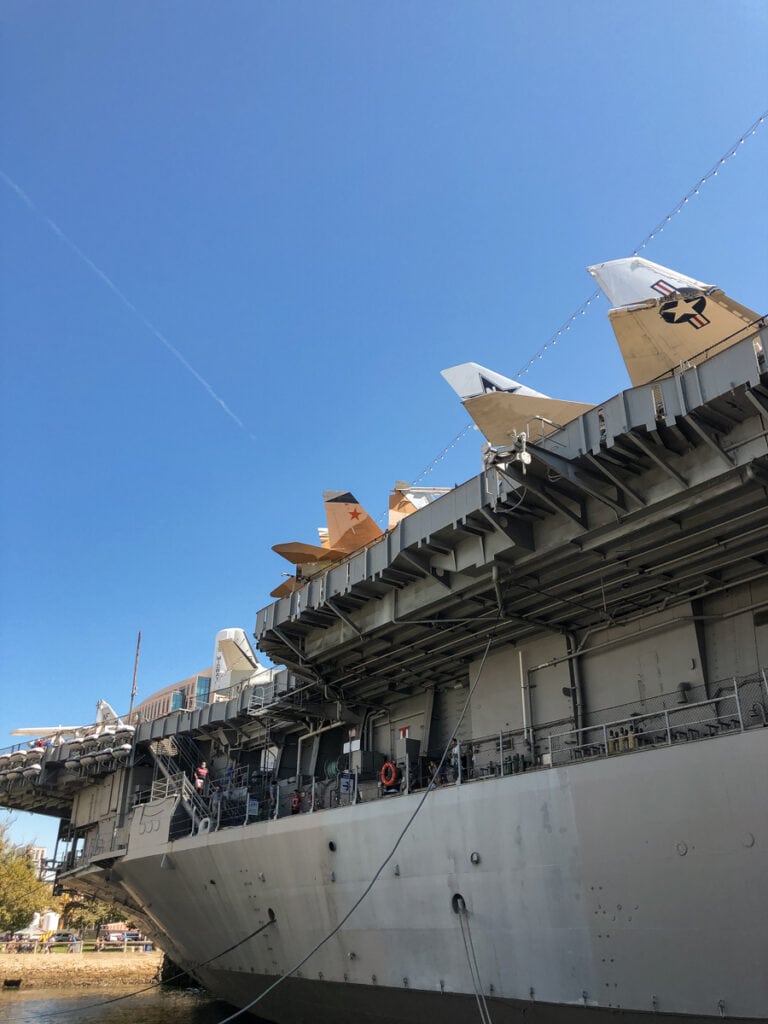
[295, 803]
[388, 774]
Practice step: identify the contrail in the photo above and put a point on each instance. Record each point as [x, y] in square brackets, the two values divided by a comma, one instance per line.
[107, 280]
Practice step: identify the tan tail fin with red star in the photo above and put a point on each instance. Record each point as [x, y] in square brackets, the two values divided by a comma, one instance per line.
[349, 529]
[349, 525]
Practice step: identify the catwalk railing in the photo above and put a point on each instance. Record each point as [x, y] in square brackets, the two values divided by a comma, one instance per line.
[687, 714]
[731, 705]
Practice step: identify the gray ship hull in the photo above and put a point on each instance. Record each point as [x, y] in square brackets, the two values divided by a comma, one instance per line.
[584, 627]
[590, 888]
[311, 1002]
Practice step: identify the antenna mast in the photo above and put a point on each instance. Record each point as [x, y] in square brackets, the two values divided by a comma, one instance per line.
[135, 670]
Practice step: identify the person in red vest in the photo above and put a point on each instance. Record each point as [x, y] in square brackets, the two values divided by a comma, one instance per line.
[201, 774]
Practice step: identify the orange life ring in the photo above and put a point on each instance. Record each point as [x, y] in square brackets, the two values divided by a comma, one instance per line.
[389, 774]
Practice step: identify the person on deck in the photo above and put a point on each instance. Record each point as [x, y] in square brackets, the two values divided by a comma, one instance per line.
[201, 774]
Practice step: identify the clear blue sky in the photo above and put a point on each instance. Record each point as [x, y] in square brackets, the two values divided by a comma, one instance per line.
[320, 205]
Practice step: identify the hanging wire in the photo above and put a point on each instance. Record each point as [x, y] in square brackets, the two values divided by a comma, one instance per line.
[441, 455]
[582, 310]
[474, 967]
[387, 859]
[692, 192]
[436, 461]
[729, 154]
[562, 330]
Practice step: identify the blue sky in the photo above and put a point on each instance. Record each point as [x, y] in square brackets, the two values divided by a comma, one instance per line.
[320, 206]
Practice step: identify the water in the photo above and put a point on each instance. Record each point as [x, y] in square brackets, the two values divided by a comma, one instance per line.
[78, 1006]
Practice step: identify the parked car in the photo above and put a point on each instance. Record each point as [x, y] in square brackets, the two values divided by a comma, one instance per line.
[120, 937]
[64, 937]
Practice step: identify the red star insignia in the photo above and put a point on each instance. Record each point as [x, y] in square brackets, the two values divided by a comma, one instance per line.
[355, 514]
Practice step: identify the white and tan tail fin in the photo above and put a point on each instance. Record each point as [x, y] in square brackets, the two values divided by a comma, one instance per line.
[502, 407]
[663, 319]
[401, 504]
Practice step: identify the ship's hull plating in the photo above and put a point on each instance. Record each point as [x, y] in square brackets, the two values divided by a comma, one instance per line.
[314, 1002]
[632, 884]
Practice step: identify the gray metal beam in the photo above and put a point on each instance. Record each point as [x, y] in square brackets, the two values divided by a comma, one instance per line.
[649, 449]
[754, 398]
[708, 438]
[343, 616]
[615, 480]
[576, 477]
[517, 530]
[443, 578]
[545, 495]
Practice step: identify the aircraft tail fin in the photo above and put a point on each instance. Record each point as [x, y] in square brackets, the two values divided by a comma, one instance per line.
[105, 714]
[234, 660]
[469, 380]
[406, 498]
[663, 319]
[349, 526]
[235, 650]
[501, 406]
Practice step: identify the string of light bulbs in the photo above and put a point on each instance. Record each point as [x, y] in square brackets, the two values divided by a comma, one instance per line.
[441, 456]
[582, 310]
[729, 154]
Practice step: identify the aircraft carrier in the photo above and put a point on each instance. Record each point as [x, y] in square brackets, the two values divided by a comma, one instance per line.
[535, 710]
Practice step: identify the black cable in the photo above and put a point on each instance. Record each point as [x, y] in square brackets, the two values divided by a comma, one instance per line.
[387, 859]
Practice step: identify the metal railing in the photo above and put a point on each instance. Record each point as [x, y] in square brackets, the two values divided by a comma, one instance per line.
[269, 696]
[733, 705]
[728, 706]
[237, 798]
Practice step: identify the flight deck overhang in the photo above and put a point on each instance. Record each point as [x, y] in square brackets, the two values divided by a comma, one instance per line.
[657, 496]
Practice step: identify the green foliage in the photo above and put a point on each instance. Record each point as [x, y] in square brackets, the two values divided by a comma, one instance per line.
[22, 894]
[86, 914]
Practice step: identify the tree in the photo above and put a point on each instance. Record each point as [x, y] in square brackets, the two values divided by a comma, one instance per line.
[22, 894]
[86, 913]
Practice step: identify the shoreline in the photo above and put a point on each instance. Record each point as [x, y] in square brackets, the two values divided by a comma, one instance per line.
[27, 971]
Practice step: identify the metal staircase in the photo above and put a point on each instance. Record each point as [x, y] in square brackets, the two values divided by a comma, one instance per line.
[176, 759]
